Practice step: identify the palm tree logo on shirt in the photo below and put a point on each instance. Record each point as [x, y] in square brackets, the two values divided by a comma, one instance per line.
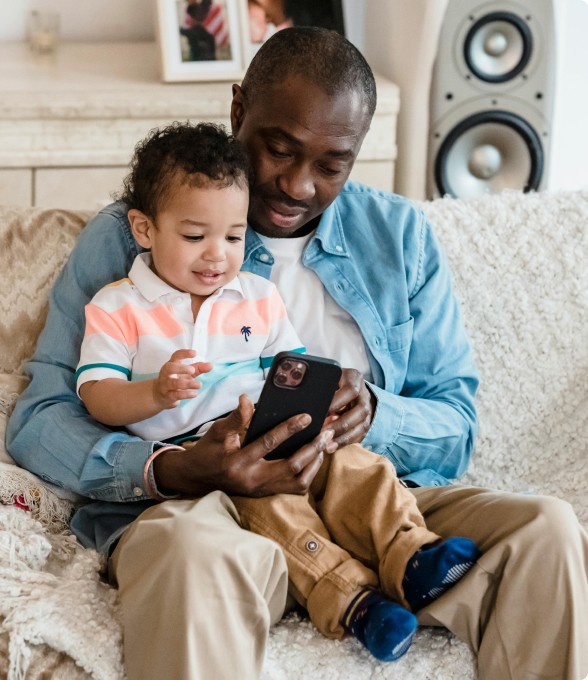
[246, 332]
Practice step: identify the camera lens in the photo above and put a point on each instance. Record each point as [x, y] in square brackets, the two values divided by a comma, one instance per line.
[296, 374]
[281, 379]
[286, 365]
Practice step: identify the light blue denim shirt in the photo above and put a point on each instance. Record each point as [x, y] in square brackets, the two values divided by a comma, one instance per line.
[377, 256]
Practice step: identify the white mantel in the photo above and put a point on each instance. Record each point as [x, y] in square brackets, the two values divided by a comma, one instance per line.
[69, 122]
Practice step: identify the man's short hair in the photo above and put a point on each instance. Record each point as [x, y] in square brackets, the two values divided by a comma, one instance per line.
[324, 57]
[197, 154]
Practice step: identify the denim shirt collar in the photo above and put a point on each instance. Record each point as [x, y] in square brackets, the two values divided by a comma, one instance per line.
[328, 238]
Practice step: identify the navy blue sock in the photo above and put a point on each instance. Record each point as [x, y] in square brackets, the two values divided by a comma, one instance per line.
[434, 569]
[383, 626]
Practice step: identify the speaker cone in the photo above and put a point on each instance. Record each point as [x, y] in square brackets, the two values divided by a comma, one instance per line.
[488, 152]
[498, 47]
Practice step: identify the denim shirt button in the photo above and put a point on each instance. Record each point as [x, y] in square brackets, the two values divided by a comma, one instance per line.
[264, 257]
[138, 491]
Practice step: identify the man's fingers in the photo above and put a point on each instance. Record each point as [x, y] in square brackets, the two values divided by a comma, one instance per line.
[295, 474]
[351, 427]
[305, 477]
[355, 405]
[236, 422]
[272, 439]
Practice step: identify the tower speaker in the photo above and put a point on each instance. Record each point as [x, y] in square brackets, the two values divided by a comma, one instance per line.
[502, 93]
[491, 98]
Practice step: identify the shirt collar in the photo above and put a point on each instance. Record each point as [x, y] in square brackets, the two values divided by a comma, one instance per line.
[328, 235]
[152, 287]
[330, 232]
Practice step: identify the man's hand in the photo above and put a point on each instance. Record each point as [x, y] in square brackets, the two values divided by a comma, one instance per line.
[218, 461]
[354, 406]
[178, 380]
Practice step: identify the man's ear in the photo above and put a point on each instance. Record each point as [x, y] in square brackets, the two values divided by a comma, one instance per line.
[141, 227]
[237, 109]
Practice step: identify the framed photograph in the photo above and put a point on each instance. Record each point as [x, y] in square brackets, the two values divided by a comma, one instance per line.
[202, 39]
[265, 17]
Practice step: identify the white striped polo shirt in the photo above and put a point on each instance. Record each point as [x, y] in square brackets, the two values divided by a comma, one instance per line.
[134, 325]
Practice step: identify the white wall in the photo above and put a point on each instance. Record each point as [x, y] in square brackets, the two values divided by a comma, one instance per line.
[117, 20]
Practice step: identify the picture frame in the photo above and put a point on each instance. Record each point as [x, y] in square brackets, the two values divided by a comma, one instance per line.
[265, 17]
[202, 39]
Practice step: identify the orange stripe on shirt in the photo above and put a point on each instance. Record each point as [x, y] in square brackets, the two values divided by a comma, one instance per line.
[129, 322]
[228, 318]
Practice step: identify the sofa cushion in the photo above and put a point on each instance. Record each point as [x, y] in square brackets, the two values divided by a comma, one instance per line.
[35, 243]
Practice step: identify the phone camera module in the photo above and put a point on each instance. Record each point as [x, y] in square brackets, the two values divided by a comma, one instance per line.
[290, 373]
[296, 374]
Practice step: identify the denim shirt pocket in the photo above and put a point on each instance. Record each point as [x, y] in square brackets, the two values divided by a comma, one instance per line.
[399, 338]
[396, 350]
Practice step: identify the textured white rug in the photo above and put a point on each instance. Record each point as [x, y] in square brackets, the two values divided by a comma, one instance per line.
[519, 264]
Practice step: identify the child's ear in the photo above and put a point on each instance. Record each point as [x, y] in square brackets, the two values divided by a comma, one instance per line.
[141, 227]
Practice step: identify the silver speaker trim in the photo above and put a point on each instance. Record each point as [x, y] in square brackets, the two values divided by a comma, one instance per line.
[515, 141]
[501, 67]
[510, 165]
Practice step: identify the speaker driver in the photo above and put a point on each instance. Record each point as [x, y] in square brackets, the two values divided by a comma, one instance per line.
[488, 152]
[498, 47]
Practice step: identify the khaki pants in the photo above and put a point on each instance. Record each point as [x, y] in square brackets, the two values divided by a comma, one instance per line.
[524, 606]
[198, 593]
[358, 526]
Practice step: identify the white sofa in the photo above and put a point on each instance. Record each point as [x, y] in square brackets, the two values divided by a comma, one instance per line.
[520, 271]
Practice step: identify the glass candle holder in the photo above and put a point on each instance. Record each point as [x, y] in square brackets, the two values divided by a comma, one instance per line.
[43, 31]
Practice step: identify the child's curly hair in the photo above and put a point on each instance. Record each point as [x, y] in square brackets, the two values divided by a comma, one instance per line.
[196, 154]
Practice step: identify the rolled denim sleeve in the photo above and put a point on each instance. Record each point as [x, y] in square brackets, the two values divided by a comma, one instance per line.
[50, 432]
[429, 421]
[421, 434]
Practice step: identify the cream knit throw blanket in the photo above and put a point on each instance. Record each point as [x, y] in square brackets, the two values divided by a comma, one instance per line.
[520, 269]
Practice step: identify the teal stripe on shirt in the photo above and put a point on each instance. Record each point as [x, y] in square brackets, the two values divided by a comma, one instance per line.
[220, 372]
[114, 367]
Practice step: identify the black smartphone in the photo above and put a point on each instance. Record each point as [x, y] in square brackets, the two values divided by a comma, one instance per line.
[296, 383]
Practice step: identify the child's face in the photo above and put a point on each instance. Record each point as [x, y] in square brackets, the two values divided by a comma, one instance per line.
[198, 239]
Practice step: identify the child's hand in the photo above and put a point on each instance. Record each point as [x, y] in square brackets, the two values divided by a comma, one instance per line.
[177, 380]
[328, 420]
[332, 446]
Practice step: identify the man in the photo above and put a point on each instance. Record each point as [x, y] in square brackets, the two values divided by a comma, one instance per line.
[364, 282]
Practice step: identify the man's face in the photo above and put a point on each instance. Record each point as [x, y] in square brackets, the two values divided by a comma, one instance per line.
[302, 144]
